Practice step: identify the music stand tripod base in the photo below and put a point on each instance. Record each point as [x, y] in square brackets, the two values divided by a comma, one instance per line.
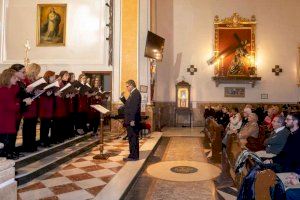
[101, 157]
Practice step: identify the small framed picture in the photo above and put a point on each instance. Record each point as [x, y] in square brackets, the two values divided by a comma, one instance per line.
[234, 92]
[264, 96]
[143, 88]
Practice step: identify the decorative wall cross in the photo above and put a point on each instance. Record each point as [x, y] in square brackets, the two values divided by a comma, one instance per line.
[277, 70]
[192, 69]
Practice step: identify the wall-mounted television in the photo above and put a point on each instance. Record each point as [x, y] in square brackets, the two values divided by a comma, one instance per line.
[154, 46]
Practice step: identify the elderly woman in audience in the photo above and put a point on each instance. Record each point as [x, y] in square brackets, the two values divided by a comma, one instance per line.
[273, 111]
[246, 113]
[250, 129]
[235, 123]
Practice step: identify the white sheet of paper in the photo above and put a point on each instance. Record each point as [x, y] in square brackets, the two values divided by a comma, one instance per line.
[100, 108]
[283, 177]
[264, 154]
[65, 87]
[37, 83]
[55, 84]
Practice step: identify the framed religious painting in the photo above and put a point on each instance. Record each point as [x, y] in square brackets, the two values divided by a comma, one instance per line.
[51, 24]
[234, 47]
[234, 92]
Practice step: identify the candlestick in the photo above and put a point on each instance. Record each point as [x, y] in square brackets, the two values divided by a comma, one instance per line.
[27, 49]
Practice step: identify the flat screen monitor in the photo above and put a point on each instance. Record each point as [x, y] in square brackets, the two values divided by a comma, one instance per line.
[154, 46]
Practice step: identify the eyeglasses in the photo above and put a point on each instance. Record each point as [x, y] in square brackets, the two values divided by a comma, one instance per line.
[288, 119]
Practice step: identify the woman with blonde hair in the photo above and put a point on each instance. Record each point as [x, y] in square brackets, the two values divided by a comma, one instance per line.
[30, 116]
[9, 106]
[33, 71]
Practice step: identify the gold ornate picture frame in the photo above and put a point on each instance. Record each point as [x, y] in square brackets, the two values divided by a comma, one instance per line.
[234, 47]
[51, 24]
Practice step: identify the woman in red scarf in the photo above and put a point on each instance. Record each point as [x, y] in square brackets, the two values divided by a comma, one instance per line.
[9, 106]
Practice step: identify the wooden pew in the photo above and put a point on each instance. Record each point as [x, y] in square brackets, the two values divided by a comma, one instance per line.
[213, 132]
[264, 179]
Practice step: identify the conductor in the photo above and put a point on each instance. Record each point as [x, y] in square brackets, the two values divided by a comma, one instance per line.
[132, 107]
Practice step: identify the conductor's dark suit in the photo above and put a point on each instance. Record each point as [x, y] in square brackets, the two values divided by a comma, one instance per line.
[133, 113]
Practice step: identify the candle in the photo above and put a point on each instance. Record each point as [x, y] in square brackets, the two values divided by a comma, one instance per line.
[27, 45]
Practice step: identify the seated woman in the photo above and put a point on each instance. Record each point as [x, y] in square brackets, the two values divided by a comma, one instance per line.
[273, 111]
[250, 129]
[235, 123]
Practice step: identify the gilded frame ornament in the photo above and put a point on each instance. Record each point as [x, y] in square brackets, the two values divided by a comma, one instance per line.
[240, 27]
[51, 24]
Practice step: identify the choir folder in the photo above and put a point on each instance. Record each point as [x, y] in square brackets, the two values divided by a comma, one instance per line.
[100, 108]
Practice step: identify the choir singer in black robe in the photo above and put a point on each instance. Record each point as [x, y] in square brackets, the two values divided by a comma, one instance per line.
[132, 119]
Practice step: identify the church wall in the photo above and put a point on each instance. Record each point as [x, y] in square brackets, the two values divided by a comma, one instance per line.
[85, 36]
[189, 32]
[86, 45]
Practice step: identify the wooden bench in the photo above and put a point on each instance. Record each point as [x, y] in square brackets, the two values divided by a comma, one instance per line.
[213, 132]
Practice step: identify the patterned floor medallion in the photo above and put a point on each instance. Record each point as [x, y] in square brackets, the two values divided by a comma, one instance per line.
[184, 169]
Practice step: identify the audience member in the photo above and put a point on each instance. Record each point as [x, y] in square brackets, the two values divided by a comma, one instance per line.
[250, 129]
[275, 143]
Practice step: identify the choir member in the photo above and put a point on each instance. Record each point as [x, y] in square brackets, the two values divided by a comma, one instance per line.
[60, 127]
[72, 104]
[30, 116]
[46, 109]
[82, 105]
[9, 107]
[23, 97]
[94, 115]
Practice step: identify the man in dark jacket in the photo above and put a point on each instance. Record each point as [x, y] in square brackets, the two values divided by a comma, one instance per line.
[275, 143]
[288, 160]
[132, 119]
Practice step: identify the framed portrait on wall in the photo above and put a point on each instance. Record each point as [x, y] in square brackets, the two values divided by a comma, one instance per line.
[51, 24]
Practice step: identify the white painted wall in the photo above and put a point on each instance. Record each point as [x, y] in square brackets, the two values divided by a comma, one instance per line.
[189, 31]
[86, 47]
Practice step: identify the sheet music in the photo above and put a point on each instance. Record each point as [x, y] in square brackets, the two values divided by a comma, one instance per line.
[284, 178]
[264, 154]
[100, 108]
[65, 87]
[55, 84]
[104, 92]
[37, 83]
[36, 96]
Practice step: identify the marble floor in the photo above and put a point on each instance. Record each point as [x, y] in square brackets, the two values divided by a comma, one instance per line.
[83, 177]
[179, 144]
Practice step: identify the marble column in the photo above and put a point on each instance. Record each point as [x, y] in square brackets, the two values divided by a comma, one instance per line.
[8, 185]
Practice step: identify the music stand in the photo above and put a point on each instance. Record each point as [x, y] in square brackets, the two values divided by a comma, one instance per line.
[102, 111]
